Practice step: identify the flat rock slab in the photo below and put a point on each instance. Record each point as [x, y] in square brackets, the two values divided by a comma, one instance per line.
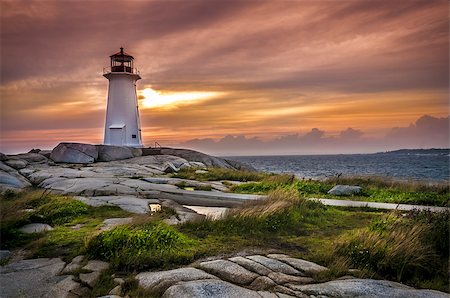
[158, 282]
[127, 202]
[35, 228]
[367, 288]
[303, 266]
[229, 271]
[30, 278]
[208, 289]
[275, 265]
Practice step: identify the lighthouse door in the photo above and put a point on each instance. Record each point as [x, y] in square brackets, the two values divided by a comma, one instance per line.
[117, 135]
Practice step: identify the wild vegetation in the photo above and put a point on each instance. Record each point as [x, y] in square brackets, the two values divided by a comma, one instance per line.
[374, 189]
[410, 247]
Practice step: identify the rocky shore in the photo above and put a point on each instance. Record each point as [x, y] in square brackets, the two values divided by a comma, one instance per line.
[138, 181]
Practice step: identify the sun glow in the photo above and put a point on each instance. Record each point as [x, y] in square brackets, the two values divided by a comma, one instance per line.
[156, 99]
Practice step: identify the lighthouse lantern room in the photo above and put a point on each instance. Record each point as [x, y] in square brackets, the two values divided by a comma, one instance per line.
[122, 126]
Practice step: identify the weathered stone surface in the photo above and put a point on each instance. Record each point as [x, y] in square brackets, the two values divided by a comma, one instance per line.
[31, 157]
[90, 278]
[265, 294]
[119, 281]
[74, 153]
[281, 278]
[367, 288]
[16, 163]
[95, 265]
[208, 289]
[229, 271]
[282, 290]
[10, 178]
[30, 278]
[74, 265]
[4, 254]
[110, 153]
[128, 203]
[303, 266]
[262, 283]
[274, 265]
[111, 223]
[251, 265]
[3, 157]
[117, 290]
[63, 288]
[35, 228]
[344, 190]
[158, 282]
[210, 161]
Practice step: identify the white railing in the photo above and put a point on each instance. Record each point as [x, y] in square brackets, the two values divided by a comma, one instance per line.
[134, 70]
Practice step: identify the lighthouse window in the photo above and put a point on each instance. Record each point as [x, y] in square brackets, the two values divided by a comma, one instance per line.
[133, 136]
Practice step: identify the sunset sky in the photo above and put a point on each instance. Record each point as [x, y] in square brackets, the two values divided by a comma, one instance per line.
[231, 77]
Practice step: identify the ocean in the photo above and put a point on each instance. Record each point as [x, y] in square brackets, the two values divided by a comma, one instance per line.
[399, 166]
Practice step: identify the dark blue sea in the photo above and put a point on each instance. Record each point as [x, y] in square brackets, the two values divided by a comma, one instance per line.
[423, 167]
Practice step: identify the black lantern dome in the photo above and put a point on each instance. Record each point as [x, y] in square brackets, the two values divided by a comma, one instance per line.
[121, 62]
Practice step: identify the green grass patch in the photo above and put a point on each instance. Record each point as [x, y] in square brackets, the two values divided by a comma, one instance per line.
[216, 174]
[139, 246]
[374, 189]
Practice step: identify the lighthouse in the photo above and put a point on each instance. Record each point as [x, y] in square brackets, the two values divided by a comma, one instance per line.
[122, 127]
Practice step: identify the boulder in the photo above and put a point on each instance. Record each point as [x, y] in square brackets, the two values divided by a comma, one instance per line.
[274, 265]
[367, 288]
[208, 289]
[229, 271]
[344, 190]
[10, 178]
[35, 228]
[110, 153]
[45, 153]
[74, 153]
[158, 282]
[16, 163]
[303, 266]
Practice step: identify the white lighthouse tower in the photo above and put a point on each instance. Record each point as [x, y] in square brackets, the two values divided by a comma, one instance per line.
[122, 126]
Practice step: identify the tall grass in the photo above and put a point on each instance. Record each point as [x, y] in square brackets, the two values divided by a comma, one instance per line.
[411, 249]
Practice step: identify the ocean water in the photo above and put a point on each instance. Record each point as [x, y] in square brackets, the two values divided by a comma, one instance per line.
[423, 167]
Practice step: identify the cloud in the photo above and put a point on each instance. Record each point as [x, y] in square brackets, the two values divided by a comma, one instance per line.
[427, 132]
[281, 67]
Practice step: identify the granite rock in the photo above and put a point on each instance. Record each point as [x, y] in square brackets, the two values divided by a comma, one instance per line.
[229, 271]
[208, 289]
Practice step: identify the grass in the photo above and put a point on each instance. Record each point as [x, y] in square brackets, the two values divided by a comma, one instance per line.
[216, 174]
[374, 189]
[411, 247]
